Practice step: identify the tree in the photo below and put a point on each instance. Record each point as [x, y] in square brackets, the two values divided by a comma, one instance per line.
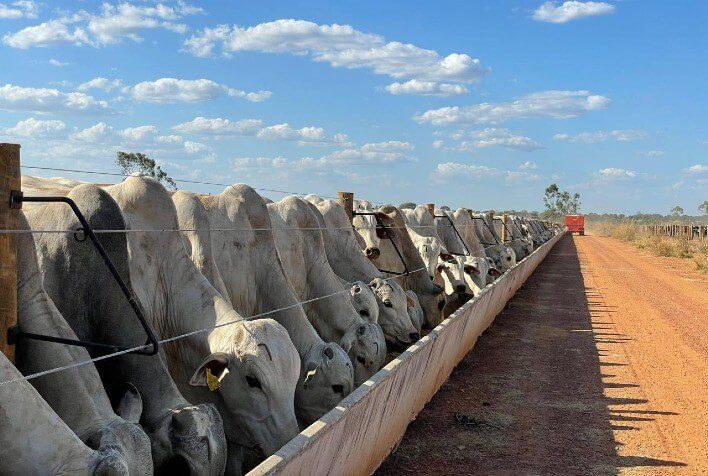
[677, 211]
[560, 203]
[131, 162]
[703, 207]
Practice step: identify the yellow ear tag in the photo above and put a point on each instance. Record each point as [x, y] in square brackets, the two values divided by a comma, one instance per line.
[212, 380]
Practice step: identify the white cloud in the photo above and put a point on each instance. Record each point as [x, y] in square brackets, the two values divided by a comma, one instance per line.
[387, 146]
[654, 153]
[491, 137]
[19, 9]
[220, 127]
[254, 127]
[626, 135]
[697, 169]
[147, 134]
[18, 98]
[454, 170]
[612, 173]
[195, 147]
[32, 128]
[553, 104]
[342, 46]
[449, 172]
[57, 63]
[425, 88]
[528, 165]
[551, 12]
[102, 84]
[52, 32]
[170, 90]
[96, 134]
[520, 176]
[110, 26]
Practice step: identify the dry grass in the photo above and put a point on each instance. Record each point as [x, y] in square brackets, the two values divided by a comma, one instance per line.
[675, 247]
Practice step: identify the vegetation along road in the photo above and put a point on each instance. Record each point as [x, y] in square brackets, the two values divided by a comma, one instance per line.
[598, 365]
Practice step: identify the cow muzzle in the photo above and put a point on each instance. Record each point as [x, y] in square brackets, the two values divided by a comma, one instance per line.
[372, 252]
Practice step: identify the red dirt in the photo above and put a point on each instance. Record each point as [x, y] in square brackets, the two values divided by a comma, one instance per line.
[598, 365]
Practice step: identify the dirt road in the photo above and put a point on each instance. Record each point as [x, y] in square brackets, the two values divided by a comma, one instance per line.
[598, 365]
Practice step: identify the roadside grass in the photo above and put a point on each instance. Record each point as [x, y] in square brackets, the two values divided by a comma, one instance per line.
[674, 247]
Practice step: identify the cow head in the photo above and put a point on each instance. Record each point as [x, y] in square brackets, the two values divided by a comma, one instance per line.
[393, 313]
[453, 275]
[430, 249]
[366, 347]
[363, 299]
[326, 377]
[256, 376]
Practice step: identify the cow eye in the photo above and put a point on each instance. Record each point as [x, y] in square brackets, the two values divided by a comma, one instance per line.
[360, 359]
[338, 389]
[253, 382]
[387, 303]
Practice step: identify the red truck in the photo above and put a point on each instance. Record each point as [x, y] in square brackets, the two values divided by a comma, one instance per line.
[575, 223]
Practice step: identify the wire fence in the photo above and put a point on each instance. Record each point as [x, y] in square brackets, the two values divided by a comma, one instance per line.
[180, 230]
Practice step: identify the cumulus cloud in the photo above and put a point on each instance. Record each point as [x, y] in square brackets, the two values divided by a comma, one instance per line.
[32, 128]
[342, 46]
[171, 90]
[95, 134]
[489, 137]
[111, 25]
[553, 104]
[552, 12]
[612, 173]
[18, 98]
[528, 165]
[19, 9]
[425, 88]
[697, 169]
[100, 83]
[220, 127]
[626, 135]
[450, 172]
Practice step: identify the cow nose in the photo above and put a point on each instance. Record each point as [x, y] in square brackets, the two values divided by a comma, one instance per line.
[414, 336]
[460, 288]
[372, 252]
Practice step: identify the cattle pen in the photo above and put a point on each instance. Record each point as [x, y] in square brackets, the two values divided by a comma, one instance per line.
[357, 434]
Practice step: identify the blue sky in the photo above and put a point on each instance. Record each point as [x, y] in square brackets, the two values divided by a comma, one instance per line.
[479, 104]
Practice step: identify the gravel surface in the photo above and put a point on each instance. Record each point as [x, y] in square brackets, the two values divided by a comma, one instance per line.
[598, 365]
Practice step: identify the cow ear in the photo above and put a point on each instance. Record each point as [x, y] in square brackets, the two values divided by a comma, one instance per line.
[446, 256]
[409, 301]
[471, 270]
[130, 406]
[440, 267]
[494, 272]
[211, 371]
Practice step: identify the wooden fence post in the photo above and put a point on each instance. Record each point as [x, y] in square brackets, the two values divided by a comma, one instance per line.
[431, 208]
[346, 199]
[9, 220]
[505, 233]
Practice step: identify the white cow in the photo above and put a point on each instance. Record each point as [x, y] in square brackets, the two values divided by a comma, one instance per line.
[422, 230]
[429, 294]
[182, 435]
[34, 440]
[302, 253]
[254, 279]
[247, 369]
[345, 256]
[83, 404]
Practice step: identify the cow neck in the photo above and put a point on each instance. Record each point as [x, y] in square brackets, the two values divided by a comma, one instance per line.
[417, 281]
[104, 316]
[265, 288]
[38, 314]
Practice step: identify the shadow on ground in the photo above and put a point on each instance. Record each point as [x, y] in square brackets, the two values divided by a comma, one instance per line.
[529, 398]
